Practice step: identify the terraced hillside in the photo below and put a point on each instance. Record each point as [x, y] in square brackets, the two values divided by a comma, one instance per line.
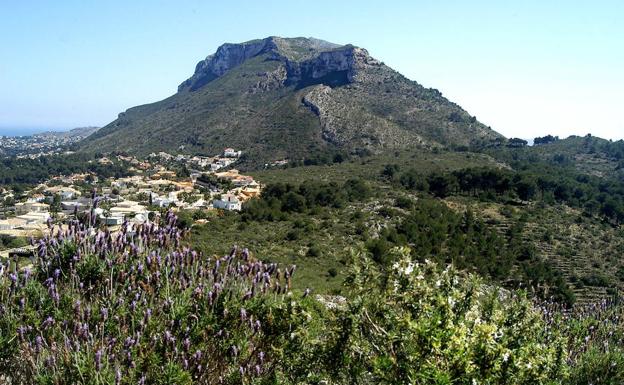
[585, 250]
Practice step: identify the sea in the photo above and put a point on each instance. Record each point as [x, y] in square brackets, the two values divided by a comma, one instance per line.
[25, 131]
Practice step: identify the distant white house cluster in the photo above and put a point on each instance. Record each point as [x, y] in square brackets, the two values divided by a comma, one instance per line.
[156, 185]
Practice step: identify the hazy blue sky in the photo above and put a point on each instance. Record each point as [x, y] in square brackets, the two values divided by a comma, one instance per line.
[526, 69]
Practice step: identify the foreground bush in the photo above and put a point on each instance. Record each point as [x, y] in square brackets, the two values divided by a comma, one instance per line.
[424, 325]
[134, 307]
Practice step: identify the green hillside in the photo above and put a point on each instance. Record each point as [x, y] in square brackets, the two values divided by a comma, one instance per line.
[536, 222]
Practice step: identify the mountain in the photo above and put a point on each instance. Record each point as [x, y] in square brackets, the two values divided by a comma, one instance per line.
[79, 132]
[290, 97]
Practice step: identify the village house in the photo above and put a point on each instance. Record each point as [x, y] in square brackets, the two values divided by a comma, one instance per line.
[129, 208]
[71, 206]
[159, 184]
[198, 204]
[26, 207]
[34, 218]
[113, 220]
[227, 202]
[202, 161]
[36, 198]
[242, 180]
[165, 156]
[252, 190]
[278, 163]
[10, 224]
[229, 175]
[186, 186]
[164, 174]
[162, 201]
[231, 153]
[66, 193]
[236, 178]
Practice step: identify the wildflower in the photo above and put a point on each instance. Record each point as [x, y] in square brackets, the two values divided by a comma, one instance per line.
[38, 343]
[47, 323]
[98, 360]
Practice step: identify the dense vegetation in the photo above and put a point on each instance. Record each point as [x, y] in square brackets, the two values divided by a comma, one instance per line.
[430, 228]
[9, 242]
[20, 172]
[278, 200]
[102, 308]
[597, 196]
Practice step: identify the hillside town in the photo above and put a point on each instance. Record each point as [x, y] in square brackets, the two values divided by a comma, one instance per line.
[42, 144]
[203, 186]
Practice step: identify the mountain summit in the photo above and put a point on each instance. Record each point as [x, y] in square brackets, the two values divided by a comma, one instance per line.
[290, 97]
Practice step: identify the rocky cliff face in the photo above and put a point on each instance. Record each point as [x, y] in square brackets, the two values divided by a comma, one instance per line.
[227, 57]
[320, 63]
[336, 67]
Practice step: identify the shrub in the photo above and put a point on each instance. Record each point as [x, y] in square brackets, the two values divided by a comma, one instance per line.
[314, 251]
[121, 309]
[423, 325]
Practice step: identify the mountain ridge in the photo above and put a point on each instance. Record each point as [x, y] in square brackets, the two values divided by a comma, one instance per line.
[289, 98]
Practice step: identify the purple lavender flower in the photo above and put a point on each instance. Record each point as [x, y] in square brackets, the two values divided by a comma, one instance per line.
[47, 323]
[98, 360]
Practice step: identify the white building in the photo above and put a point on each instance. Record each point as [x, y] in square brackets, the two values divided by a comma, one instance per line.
[161, 201]
[114, 219]
[34, 218]
[129, 208]
[66, 193]
[73, 205]
[36, 207]
[231, 153]
[227, 202]
[6, 225]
